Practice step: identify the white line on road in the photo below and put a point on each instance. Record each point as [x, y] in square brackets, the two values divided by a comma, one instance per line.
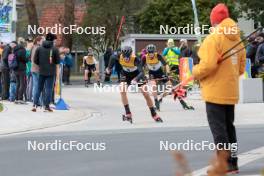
[243, 159]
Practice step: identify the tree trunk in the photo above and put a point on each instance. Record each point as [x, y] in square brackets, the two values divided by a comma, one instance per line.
[32, 13]
[68, 20]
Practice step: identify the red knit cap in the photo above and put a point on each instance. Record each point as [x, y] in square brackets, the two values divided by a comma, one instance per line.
[218, 14]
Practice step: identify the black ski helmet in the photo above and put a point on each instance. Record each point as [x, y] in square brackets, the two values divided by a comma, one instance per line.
[151, 48]
[126, 51]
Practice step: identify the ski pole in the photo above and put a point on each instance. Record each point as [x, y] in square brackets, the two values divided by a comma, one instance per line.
[183, 83]
[244, 39]
[226, 57]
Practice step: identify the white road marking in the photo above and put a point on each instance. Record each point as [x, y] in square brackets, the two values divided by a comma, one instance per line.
[243, 159]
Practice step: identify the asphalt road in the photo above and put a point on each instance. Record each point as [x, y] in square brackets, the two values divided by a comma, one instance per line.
[128, 152]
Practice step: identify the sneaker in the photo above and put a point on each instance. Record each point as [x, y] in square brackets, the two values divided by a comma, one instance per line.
[23, 102]
[48, 109]
[34, 109]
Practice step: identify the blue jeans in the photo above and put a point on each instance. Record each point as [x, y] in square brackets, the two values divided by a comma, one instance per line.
[35, 79]
[12, 91]
[47, 83]
[29, 88]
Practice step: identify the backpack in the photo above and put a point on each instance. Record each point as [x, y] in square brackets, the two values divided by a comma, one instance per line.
[12, 61]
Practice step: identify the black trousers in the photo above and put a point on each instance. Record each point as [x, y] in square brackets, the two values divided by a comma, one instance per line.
[5, 80]
[20, 84]
[221, 122]
[66, 74]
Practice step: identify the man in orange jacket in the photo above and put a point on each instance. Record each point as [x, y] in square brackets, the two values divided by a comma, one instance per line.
[220, 81]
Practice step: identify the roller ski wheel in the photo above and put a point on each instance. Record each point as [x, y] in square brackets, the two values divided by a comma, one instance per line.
[157, 118]
[127, 117]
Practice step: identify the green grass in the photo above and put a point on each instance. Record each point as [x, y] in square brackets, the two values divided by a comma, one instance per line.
[1, 107]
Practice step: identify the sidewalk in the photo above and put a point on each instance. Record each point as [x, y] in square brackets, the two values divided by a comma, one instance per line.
[107, 110]
[19, 118]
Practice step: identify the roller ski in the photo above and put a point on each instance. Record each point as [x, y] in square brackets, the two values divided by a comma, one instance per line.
[157, 118]
[127, 117]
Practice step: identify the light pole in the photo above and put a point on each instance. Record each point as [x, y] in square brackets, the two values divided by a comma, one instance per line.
[196, 22]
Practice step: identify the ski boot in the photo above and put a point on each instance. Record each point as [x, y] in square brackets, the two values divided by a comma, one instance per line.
[157, 118]
[127, 117]
[185, 106]
[160, 100]
[157, 105]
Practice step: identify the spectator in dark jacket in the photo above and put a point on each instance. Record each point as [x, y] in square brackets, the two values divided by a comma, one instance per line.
[20, 71]
[260, 54]
[185, 50]
[48, 59]
[68, 63]
[1, 52]
[194, 55]
[5, 77]
[107, 56]
[251, 54]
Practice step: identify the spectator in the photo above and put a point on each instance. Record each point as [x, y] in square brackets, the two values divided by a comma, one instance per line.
[118, 67]
[20, 70]
[48, 59]
[219, 93]
[107, 56]
[260, 55]
[1, 52]
[68, 63]
[194, 55]
[143, 53]
[185, 50]
[28, 93]
[34, 67]
[12, 88]
[251, 54]
[5, 77]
